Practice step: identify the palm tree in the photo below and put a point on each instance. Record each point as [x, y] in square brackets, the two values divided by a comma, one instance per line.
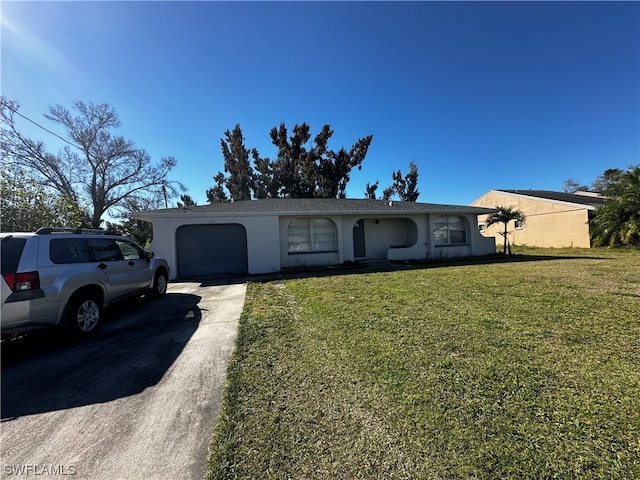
[617, 222]
[505, 215]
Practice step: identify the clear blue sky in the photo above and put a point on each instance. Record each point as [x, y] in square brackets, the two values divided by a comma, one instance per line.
[479, 95]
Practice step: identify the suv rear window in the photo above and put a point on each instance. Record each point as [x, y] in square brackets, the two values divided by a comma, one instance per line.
[11, 252]
[69, 250]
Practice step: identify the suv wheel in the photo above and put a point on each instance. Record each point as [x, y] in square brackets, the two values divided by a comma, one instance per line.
[83, 314]
[160, 283]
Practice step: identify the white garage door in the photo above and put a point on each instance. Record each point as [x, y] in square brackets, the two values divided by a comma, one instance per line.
[209, 250]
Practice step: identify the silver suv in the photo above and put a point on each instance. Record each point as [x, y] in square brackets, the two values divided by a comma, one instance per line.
[66, 277]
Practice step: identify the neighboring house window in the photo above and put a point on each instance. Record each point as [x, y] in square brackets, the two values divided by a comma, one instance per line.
[449, 230]
[311, 235]
[482, 227]
[519, 224]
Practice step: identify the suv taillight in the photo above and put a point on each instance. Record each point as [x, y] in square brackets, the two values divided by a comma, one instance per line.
[22, 281]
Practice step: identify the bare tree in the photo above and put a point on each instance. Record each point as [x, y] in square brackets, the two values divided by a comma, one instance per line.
[96, 169]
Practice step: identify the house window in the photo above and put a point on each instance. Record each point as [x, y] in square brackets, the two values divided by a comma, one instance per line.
[482, 227]
[519, 224]
[311, 235]
[449, 230]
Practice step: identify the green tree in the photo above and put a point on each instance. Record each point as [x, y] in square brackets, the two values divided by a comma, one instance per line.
[370, 190]
[603, 184]
[265, 183]
[26, 204]
[610, 183]
[505, 215]
[617, 222]
[302, 168]
[571, 186]
[295, 165]
[139, 230]
[335, 168]
[406, 188]
[186, 201]
[239, 182]
[387, 193]
[217, 193]
[97, 170]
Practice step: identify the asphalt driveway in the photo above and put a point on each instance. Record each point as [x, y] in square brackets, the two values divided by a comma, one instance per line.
[138, 400]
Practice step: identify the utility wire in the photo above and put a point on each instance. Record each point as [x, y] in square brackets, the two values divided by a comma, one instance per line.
[44, 128]
[559, 211]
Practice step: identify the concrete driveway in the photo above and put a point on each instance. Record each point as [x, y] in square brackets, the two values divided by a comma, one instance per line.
[138, 400]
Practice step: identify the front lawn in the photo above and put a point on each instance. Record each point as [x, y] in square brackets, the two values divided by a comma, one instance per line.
[526, 369]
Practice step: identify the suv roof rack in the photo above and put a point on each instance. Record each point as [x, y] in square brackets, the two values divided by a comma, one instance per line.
[50, 230]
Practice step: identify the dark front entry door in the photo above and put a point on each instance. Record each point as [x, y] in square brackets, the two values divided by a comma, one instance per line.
[358, 240]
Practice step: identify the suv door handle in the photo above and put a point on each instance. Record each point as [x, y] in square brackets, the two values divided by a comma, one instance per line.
[102, 266]
[131, 263]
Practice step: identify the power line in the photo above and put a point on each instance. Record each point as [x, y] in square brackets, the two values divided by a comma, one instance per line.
[559, 211]
[43, 128]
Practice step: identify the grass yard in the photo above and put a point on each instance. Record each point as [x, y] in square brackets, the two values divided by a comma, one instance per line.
[526, 369]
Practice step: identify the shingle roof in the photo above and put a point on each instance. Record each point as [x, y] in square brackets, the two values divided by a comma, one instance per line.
[319, 205]
[594, 201]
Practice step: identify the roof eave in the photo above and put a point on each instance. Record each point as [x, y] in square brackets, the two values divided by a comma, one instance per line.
[561, 202]
[450, 209]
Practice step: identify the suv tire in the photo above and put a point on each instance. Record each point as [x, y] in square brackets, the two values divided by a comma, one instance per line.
[160, 282]
[67, 277]
[83, 314]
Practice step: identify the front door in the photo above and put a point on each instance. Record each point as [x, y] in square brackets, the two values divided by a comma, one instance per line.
[359, 250]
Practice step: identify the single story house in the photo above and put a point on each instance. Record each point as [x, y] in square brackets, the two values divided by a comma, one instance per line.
[553, 219]
[264, 236]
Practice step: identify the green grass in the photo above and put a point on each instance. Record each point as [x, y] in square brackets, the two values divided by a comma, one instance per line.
[522, 369]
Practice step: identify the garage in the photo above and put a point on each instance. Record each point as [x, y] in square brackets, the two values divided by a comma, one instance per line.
[207, 250]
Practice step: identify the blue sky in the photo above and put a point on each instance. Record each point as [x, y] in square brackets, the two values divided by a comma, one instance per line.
[480, 95]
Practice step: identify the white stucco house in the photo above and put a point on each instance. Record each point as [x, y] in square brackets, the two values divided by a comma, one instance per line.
[265, 236]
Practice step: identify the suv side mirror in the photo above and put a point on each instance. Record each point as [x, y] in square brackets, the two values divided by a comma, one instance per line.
[150, 255]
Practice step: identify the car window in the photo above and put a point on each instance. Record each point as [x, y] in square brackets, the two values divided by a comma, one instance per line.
[69, 250]
[130, 250]
[11, 251]
[104, 250]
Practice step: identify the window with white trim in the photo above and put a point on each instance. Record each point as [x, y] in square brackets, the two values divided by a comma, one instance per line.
[311, 235]
[449, 230]
[518, 224]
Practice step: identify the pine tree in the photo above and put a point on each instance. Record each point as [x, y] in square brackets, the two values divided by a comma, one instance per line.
[239, 182]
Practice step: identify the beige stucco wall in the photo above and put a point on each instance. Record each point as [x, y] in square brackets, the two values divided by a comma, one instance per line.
[548, 224]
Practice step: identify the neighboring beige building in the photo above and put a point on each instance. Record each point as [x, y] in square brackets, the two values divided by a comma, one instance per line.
[553, 219]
